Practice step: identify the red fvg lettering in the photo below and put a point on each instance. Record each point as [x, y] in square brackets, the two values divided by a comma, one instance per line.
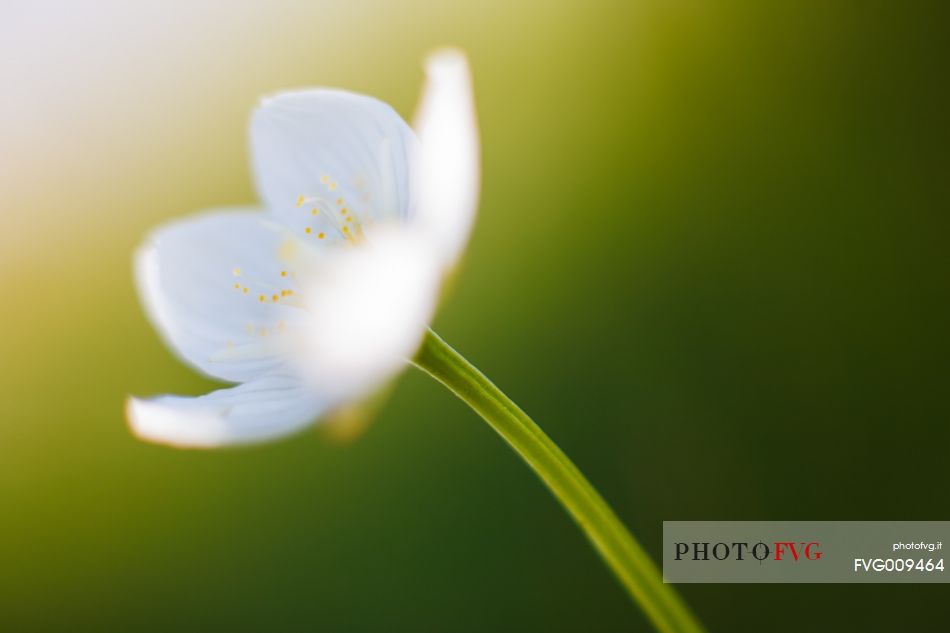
[788, 547]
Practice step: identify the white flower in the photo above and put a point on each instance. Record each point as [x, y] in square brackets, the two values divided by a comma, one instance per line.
[323, 297]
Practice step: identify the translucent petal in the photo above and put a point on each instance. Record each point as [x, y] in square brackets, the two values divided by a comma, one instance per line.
[215, 286]
[319, 155]
[267, 408]
[369, 308]
[449, 171]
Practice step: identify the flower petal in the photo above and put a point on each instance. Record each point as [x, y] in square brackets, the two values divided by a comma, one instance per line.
[369, 308]
[265, 409]
[213, 287]
[449, 158]
[318, 152]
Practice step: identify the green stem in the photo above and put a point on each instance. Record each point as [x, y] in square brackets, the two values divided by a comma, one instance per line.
[622, 553]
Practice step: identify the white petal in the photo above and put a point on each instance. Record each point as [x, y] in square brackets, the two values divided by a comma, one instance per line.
[336, 150]
[191, 276]
[265, 409]
[449, 162]
[370, 307]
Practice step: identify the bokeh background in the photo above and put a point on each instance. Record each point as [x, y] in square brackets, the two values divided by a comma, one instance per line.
[711, 261]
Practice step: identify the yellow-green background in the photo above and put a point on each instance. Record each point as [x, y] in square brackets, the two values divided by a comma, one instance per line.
[711, 260]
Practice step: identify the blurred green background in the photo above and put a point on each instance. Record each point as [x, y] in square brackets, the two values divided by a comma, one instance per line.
[711, 261]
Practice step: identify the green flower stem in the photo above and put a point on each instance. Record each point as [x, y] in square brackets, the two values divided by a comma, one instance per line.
[622, 553]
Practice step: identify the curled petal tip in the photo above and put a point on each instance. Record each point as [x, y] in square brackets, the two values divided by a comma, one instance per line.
[446, 61]
[149, 422]
[137, 418]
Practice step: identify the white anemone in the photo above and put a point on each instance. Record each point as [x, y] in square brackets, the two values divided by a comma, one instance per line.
[324, 295]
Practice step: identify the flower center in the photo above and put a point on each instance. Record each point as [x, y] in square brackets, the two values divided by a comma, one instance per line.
[332, 206]
[326, 219]
[263, 291]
